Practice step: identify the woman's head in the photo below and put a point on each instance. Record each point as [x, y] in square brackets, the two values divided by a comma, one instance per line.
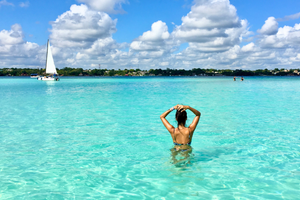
[181, 117]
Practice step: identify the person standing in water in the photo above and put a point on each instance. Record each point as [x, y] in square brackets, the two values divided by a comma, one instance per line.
[242, 78]
[234, 78]
[182, 135]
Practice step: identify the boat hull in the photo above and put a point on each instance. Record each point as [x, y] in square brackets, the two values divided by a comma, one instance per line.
[48, 78]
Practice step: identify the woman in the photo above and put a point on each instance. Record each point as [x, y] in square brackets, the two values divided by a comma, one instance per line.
[182, 136]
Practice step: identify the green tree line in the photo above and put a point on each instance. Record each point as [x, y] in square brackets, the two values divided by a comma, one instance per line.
[67, 71]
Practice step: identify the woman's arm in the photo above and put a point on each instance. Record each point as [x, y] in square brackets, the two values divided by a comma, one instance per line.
[163, 116]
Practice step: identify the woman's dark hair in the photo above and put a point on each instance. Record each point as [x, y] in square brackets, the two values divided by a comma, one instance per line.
[181, 117]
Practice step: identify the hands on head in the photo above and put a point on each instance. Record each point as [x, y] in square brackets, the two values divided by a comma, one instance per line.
[181, 108]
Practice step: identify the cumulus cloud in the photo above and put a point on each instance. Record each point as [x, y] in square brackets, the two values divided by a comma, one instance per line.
[295, 58]
[83, 37]
[103, 51]
[211, 34]
[159, 31]
[211, 25]
[80, 37]
[270, 27]
[208, 14]
[15, 52]
[13, 36]
[81, 27]
[153, 43]
[249, 47]
[218, 45]
[286, 36]
[108, 6]
[143, 46]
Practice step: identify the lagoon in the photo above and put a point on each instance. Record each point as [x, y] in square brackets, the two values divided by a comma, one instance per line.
[101, 138]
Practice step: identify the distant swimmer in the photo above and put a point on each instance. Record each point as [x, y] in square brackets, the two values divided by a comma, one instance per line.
[234, 79]
[182, 135]
[242, 78]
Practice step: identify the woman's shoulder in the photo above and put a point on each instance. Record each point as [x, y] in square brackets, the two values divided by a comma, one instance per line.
[186, 129]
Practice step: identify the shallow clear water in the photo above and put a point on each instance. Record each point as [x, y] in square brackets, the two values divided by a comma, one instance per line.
[93, 138]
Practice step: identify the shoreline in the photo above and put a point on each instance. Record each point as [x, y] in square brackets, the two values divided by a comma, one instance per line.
[63, 77]
[151, 72]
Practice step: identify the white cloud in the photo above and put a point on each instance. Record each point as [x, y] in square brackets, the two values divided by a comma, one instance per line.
[102, 51]
[146, 46]
[5, 3]
[101, 46]
[109, 6]
[155, 43]
[208, 14]
[134, 61]
[164, 63]
[15, 52]
[157, 39]
[186, 62]
[211, 26]
[289, 17]
[285, 37]
[249, 47]
[83, 37]
[81, 27]
[24, 4]
[198, 35]
[295, 58]
[13, 36]
[79, 56]
[270, 27]
[159, 31]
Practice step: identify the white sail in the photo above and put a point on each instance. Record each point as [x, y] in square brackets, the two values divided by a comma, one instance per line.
[50, 66]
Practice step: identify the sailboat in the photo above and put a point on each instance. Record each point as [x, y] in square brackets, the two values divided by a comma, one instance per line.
[50, 67]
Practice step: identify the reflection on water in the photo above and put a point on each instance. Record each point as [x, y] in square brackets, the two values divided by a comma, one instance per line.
[182, 157]
[187, 157]
[50, 82]
[50, 88]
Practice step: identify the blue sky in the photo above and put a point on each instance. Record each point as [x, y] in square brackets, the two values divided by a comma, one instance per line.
[222, 34]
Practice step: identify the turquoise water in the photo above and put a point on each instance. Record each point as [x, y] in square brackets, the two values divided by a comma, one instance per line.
[101, 138]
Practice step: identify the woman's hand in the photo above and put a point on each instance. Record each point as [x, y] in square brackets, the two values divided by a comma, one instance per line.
[181, 107]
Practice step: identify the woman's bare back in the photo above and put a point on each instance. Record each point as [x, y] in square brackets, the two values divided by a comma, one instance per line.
[182, 135]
